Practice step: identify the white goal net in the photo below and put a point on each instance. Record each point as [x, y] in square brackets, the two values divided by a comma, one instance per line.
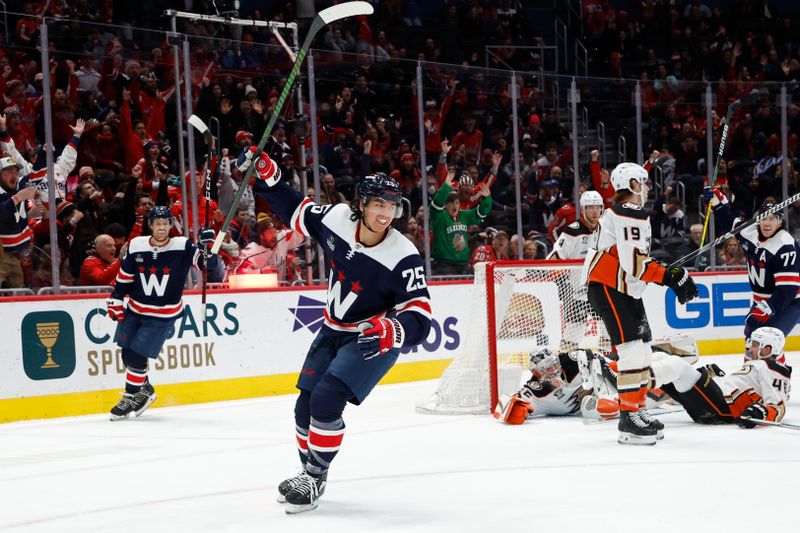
[528, 305]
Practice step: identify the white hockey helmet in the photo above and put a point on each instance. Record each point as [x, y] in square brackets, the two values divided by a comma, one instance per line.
[591, 198]
[622, 175]
[544, 364]
[769, 336]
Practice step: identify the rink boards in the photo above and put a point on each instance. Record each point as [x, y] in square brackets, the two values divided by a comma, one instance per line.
[254, 343]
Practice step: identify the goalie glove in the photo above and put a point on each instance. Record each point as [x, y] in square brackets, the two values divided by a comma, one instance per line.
[678, 279]
[379, 335]
[266, 168]
[755, 411]
[512, 409]
[115, 309]
[760, 312]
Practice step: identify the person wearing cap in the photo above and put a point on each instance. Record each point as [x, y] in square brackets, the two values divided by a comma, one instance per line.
[37, 174]
[773, 265]
[544, 205]
[243, 138]
[407, 175]
[449, 223]
[15, 235]
[433, 118]
[273, 250]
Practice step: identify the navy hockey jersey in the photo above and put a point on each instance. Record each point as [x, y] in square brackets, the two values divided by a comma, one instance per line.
[772, 264]
[153, 277]
[365, 281]
[15, 233]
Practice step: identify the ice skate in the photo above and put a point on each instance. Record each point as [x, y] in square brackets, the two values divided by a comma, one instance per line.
[644, 415]
[124, 408]
[144, 398]
[304, 496]
[634, 430]
[288, 484]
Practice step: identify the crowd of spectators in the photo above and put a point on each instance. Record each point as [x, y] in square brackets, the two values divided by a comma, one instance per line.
[114, 135]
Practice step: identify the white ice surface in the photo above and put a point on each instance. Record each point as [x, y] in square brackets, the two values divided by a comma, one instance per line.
[215, 467]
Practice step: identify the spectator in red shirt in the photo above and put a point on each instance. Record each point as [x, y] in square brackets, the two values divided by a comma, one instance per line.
[100, 267]
[601, 181]
[469, 140]
[407, 176]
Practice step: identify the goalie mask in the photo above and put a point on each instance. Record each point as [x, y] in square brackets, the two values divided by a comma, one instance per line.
[768, 336]
[545, 365]
[381, 186]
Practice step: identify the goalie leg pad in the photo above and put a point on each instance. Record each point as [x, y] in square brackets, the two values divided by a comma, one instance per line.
[512, 410]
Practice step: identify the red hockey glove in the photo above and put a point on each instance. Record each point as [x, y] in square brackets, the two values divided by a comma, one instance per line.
[760, 312]
[715, 196]
[266, 168]
[115, 309]
[755, 411]
[379, 335]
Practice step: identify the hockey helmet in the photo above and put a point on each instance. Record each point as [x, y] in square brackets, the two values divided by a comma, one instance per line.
[379, 185]
[159, 211]
[622, 175]
[769, 336]
[590, 198]
[767, 206]
[544, 364]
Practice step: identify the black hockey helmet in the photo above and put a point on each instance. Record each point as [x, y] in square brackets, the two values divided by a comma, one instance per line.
[159, 211]
[379, 185]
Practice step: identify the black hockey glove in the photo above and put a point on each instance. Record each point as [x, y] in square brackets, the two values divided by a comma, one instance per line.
[714, 369]
[755, 411]
[678, 279]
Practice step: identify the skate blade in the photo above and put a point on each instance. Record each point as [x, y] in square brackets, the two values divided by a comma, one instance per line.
[114, 418]
[645, 440]
[148, 404]
[297, 509]
[660, 435]
[281, 498]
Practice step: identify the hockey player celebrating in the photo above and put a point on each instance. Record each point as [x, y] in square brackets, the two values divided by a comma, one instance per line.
[578, 237]
[618, 271]
[152, 275]
[377, 303]
[758, 390]
[772, 266]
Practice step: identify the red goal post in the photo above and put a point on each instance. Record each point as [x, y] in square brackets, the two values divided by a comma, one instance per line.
[528, 305]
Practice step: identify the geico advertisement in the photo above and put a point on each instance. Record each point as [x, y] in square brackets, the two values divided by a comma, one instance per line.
[60, 346]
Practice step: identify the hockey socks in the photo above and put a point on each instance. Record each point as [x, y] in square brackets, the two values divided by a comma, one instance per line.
[135, 378]
[301, 434]
[324, 441]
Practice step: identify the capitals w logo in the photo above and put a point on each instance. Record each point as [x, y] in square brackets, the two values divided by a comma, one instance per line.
[152, 283]
[336, 304]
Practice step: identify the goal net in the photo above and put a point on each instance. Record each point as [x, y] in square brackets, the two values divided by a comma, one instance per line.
[517, 307]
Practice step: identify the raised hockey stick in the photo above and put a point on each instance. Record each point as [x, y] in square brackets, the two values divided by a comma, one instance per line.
[735, 231]
[761, 422]
[726, 122]
[200, 126]
[324, 17]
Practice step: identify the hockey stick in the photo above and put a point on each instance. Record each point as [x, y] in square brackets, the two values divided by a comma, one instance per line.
[200, 126]
[735, 231]
[324, 17]
[726, 122]
[771, 423]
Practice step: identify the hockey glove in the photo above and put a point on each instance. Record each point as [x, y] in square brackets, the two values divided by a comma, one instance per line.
[755, 411]
[678, 279]
[379, 335]
[115, 309]
[512, 410]
[714, 196]
[266, 168]
[760, 312]
[206, 237]
[715, 370]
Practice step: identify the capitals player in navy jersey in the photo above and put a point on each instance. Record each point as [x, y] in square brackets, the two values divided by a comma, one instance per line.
[377, 304]
[773, 267]
[152, 275]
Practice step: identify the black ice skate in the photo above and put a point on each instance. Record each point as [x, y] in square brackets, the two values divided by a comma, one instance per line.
[644, 415]
[304, 496]
[288, 484]
[634, 430]
[124, 408]
[144, 398]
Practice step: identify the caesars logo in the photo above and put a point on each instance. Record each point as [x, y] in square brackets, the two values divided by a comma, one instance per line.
[48, 345]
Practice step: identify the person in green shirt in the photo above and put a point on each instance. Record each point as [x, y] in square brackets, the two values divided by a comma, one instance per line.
[450, 238]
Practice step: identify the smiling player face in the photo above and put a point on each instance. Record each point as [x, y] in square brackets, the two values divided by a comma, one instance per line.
[379, 214]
